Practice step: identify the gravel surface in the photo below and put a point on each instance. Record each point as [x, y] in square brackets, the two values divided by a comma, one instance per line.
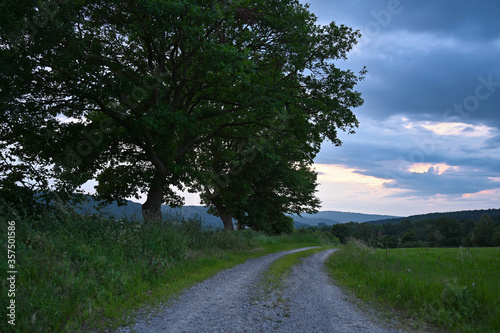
[314, 304]
[234, 301]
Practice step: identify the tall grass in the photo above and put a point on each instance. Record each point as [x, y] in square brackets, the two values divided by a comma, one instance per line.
[77, 273]
[454, 289]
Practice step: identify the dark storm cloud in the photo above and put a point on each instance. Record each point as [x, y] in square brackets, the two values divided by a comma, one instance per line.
[469, 20]
[492, 143]
[450, 183]
[429, 85]
[425, 57]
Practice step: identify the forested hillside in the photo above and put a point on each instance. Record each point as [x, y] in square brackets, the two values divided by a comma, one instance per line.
[474, 215]
[330, 217]
[468, 228]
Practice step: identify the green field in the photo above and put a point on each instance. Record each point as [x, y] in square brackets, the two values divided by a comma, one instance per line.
[456, 289]
[78, 273]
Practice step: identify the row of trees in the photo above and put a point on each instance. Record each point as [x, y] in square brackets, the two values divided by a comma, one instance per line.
[230, 99]
[441, 232]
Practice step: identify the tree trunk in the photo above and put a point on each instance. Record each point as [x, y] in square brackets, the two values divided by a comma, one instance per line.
[227, 219]
[151, 209]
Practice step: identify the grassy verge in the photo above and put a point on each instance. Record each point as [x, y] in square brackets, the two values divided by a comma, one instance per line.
[453, 289]
[85, 273]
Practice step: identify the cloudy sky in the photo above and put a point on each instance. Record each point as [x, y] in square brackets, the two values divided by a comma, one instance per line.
[429, 135]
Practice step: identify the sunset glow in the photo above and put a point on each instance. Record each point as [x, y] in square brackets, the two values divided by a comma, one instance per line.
[330, 173]
[439, 168]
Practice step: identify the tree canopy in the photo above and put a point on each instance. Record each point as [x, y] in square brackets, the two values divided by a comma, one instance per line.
[148, 95]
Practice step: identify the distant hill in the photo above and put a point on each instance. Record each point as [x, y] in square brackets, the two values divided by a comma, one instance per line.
[192, 212]
[473, 215]
[330, 217]
[133, 210]
[307, 222]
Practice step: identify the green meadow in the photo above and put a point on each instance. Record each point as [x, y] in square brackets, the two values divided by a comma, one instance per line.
[455, 289]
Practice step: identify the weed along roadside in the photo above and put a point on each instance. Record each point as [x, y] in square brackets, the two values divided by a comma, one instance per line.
[83, 273]
[455, 289]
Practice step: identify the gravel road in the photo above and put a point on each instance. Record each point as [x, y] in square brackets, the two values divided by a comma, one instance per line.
[234, 301]
[314, 304]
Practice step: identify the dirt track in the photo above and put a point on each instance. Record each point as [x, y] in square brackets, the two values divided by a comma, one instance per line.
[233, 301]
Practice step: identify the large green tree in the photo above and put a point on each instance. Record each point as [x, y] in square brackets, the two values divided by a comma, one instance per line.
[260, 180]
[128, 92]
[279, 187]
[341, 231]
[482, 234]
